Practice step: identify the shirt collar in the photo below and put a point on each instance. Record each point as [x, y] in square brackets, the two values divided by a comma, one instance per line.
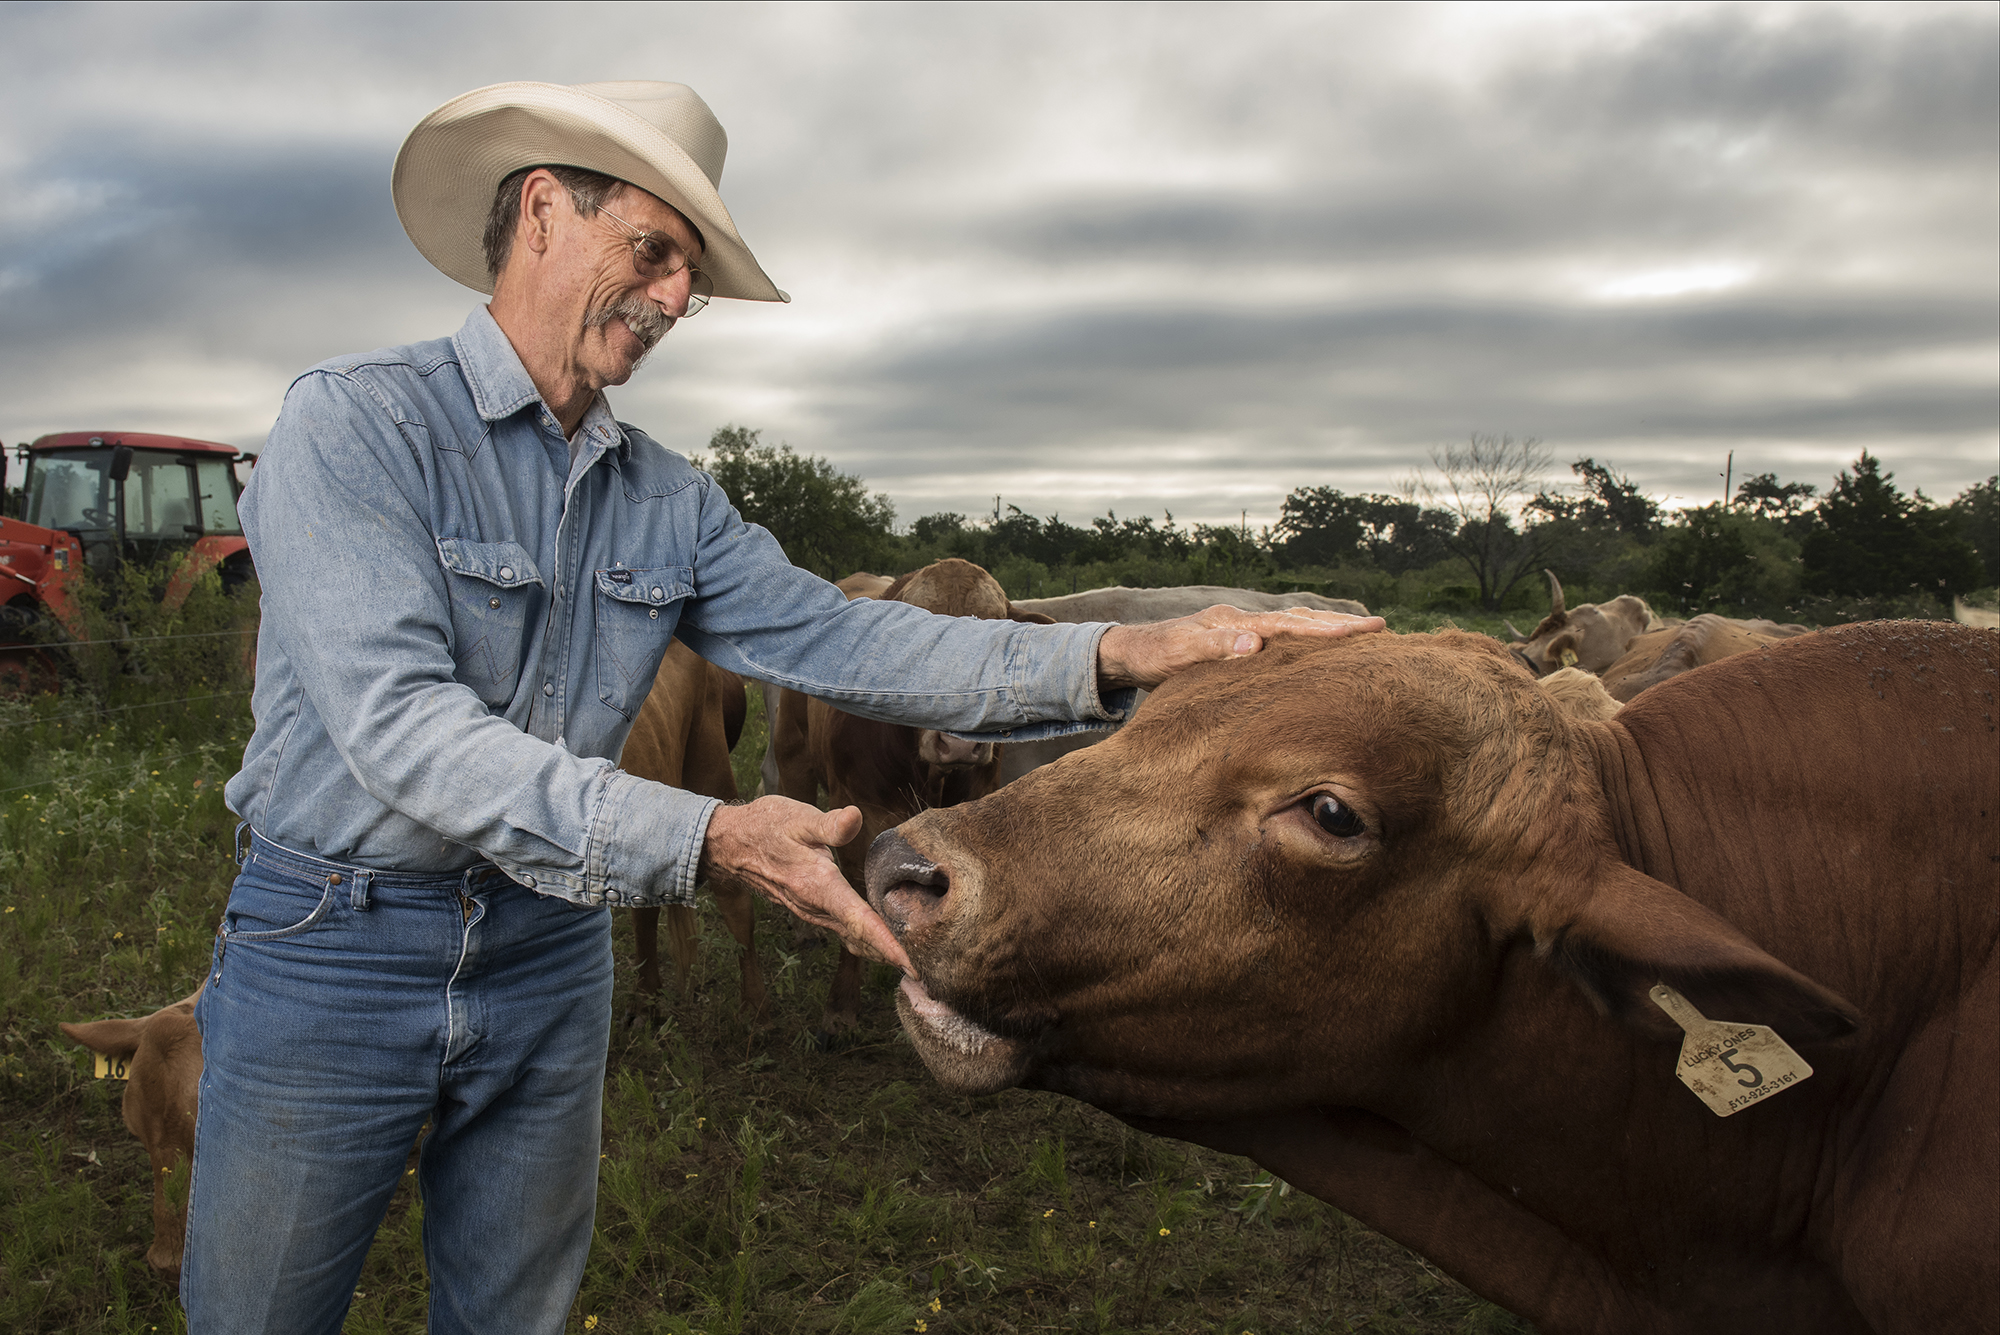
[501, 386]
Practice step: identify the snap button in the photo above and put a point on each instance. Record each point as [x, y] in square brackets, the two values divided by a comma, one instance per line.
[658, 593]
[506, 572]
[548, 688]
[493, 602]
[528, 881]
[654, 613]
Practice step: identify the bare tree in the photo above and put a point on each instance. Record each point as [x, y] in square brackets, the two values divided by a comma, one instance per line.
[1484, 484]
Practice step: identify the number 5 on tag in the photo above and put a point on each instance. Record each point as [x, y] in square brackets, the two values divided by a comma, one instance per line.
[112, 1068]
[1730, 1066]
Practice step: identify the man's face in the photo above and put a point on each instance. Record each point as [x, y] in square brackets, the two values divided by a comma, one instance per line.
[613, 314]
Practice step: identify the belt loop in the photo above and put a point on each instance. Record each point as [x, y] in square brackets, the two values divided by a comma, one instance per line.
[357, 894]
[241, 852]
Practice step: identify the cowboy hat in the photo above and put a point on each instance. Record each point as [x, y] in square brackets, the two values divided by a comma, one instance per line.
[660, 137]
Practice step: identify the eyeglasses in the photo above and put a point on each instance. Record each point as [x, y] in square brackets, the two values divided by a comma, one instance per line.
[656, 255]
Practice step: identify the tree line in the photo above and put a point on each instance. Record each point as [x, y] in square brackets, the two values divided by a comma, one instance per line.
[1471, 531]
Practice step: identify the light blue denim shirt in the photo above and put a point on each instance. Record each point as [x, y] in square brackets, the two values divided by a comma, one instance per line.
[460, 624]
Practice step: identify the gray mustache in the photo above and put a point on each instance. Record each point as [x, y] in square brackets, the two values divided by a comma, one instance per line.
[641, 316]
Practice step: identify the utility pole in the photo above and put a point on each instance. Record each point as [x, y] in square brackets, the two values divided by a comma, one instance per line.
[1728, 476]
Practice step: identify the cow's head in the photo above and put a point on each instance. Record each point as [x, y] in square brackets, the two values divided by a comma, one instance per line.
[1590, 637]
[1290, 878]
[956, 588]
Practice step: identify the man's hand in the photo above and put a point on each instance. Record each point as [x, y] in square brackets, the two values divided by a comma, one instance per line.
[783, 850]
[1147, 655]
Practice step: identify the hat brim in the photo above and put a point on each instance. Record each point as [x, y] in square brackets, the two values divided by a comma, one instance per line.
[456, 157]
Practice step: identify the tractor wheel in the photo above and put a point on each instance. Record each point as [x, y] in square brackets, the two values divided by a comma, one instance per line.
[27, 669]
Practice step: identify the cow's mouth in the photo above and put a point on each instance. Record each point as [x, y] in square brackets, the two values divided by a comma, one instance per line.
[964, 1055]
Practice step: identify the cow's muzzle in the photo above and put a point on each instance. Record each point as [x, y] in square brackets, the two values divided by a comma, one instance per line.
[904, 886]
[952, 753]
[913, 894]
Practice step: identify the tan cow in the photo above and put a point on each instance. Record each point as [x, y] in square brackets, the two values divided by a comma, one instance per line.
[685, 731]
[889, 772]
[162, 1053]
[1590, 637]
[1380, 916]
[1708, 638]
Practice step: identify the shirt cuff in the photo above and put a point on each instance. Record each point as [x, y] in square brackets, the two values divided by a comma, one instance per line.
[644, 848]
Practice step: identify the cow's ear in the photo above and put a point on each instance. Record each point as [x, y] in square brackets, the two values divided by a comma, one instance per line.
[1633, 931]
[113, 1038]
[1032, 618]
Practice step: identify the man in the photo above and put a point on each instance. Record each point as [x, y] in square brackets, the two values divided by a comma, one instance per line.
[471, 572]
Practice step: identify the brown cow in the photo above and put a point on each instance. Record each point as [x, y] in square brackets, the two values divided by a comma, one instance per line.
[685, 731]
[889, 772]
[1379, 916]
[1708, 638]
[1590, 637]
[162, 1053]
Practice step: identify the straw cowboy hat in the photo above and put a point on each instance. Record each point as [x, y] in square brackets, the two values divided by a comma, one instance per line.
[660, 137]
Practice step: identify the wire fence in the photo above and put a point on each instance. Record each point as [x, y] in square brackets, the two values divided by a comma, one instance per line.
[162, 761]
[121, 709]
[141, 639]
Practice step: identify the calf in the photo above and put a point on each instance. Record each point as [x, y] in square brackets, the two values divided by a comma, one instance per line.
[889, 772]
[686, 728]
[162, 1053]
[1590, 637]
[1381, 916]
[1659, 655]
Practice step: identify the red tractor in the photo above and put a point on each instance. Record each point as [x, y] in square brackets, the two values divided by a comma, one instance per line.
[98, 500]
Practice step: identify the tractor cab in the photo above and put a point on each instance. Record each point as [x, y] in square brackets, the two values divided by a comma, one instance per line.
[101, 501]
[136, 497]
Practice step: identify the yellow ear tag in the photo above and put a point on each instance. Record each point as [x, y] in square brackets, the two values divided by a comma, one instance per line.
[1730, 1066]
[113, 1068]
[1569, 658]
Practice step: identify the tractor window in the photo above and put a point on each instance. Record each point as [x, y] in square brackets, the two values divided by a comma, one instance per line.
[70, 492]
[158, 503]
[218, 497]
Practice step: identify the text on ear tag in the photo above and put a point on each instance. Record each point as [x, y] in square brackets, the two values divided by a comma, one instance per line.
[113, 1068]
[1730, 1066]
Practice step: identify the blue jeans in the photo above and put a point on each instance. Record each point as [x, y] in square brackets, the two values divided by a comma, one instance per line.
[344, 1008]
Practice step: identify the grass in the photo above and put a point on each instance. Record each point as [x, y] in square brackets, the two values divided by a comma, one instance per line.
[751, 1183]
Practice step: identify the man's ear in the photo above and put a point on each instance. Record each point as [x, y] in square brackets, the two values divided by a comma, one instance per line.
[535, 227]
[1632, 931]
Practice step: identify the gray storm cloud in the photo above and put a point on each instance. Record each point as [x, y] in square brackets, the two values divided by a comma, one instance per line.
[1182, 257]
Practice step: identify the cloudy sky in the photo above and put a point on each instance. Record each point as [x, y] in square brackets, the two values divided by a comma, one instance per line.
[1143, 258]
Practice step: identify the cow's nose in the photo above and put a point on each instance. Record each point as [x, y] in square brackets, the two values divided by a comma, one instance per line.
[934, 748]
[906, 888]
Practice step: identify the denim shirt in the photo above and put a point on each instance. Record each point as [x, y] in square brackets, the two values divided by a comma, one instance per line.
[460, 624]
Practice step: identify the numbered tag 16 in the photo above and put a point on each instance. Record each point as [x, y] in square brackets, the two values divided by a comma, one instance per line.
[1730, 1066]
[112, 1068]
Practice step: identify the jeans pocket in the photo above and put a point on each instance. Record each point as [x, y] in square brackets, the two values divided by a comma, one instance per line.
[636, 612]
[255, 902]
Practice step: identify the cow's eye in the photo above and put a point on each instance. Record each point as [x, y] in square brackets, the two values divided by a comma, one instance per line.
[1336, 817]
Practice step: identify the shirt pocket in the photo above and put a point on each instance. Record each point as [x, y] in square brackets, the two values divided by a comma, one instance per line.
[495, 589]
[637, 611]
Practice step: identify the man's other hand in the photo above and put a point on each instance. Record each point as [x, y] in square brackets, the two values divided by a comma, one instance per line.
[1147, 655]
[784, 850]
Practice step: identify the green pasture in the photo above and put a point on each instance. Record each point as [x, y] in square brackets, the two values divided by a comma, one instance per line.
[751, 1182]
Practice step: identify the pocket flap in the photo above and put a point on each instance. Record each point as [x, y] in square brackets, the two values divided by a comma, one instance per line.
[662, 584]
[506, 564]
